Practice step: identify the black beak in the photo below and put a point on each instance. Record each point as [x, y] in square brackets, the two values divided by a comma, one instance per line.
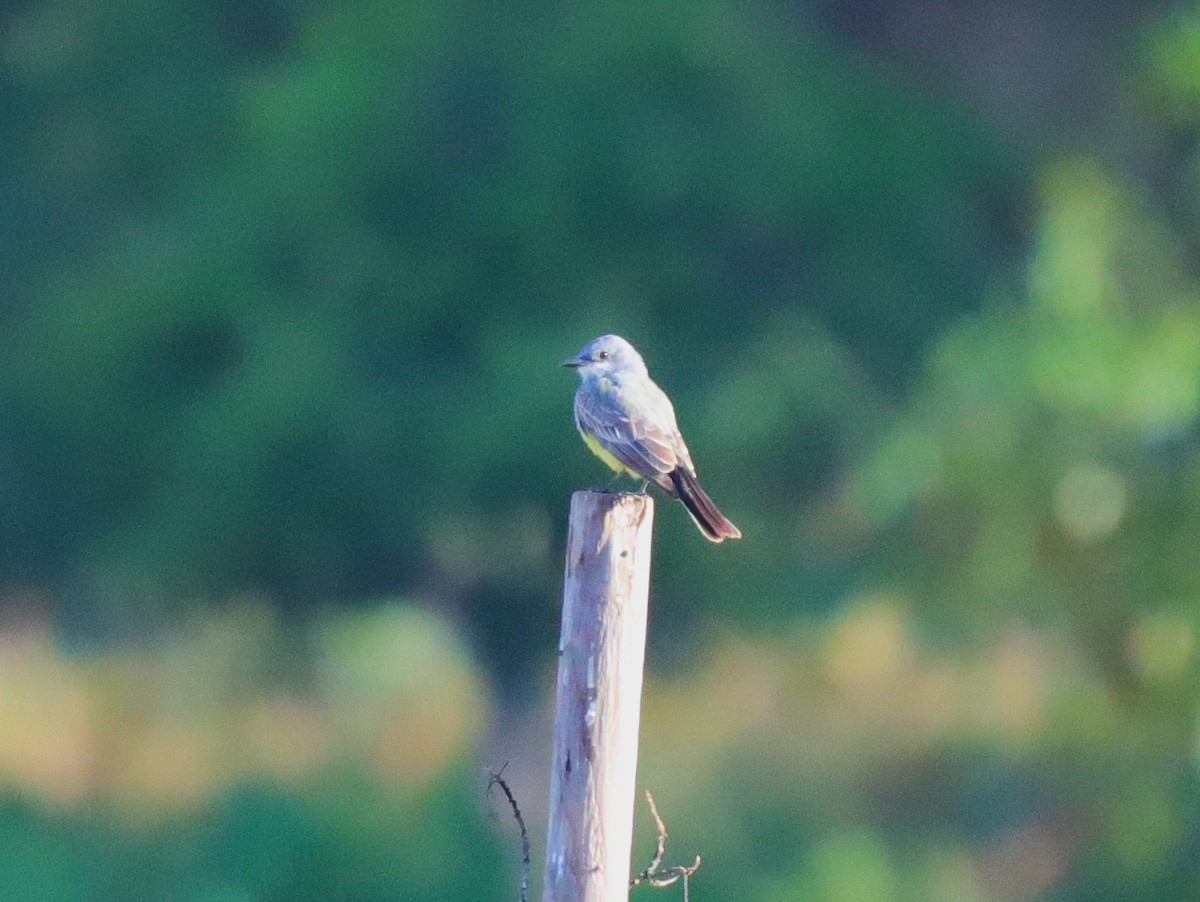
[574, 363]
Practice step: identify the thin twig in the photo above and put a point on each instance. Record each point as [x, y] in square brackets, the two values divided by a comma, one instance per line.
[497, 779]
[652, 876]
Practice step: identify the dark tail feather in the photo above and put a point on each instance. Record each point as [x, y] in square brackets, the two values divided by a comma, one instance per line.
[713, 524]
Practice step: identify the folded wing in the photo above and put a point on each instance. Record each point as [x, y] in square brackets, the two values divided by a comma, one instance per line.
[634, 434]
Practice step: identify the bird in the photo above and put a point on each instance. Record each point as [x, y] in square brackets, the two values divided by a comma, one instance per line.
[629, 423]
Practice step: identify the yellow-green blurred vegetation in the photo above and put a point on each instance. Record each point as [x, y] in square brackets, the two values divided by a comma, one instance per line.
[285, 453]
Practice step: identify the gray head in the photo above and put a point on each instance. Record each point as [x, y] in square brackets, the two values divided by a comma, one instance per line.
[606, 355]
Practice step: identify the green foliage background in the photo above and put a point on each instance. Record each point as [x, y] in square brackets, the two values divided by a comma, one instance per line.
[285, 453]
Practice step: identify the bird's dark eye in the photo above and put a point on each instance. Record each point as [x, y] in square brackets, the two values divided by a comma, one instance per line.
[603, 355]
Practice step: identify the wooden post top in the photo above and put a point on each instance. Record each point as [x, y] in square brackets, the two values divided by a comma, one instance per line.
[602, 649]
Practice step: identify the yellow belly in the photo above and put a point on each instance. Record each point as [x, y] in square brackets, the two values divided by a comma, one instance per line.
[601, 452]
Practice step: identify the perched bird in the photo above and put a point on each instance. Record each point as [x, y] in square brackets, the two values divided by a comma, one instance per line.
[628, 422]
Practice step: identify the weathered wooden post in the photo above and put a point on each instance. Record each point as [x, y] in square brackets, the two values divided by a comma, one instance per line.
[598, 699]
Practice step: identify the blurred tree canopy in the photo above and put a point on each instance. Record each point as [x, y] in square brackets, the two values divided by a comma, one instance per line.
[290, 284]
